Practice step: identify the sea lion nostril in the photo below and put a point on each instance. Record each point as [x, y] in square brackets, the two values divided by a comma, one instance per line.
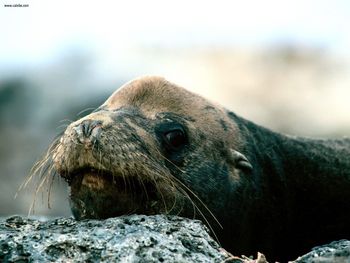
[86, 128]
[88, 131]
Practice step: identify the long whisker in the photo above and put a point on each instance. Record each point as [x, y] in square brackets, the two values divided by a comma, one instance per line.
[67, 120]
[143, 186]
[38, 166]
[188, 189]
[166, 159]
[161, 194]
[62, 126]
[50, 186]
[43, 170]
[175, 199]
[37, 189]
[202, 203]
[205, 218]
[181, 188]
[85, 110]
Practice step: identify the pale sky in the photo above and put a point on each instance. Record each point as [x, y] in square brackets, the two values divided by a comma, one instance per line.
[47, 27]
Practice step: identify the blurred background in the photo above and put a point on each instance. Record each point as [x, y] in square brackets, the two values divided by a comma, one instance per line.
[282, 64]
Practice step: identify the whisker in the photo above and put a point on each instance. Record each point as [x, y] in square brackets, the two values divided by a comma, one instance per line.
[62, 126]
[85, 110]
[177, 167]
[202, 203]
[143, 186]
[37, 166]
[188, 189]
[205, 219]
[161, 194]
[66, 120]
[54, 175]
[43, 170]
[174, 202]
[37, 189]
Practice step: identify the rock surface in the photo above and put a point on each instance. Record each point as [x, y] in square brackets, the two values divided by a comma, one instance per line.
[135, 238]
[337, 252]
[125, 239]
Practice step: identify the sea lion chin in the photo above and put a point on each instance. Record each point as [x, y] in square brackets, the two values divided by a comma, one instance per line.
[154, 147]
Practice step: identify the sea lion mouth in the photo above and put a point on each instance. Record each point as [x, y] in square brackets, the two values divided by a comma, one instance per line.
[100, 194]
[80, 173]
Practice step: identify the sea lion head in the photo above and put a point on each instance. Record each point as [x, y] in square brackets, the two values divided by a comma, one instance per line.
[152, 147]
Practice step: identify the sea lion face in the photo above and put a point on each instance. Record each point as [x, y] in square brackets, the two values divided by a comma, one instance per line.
[151, 148]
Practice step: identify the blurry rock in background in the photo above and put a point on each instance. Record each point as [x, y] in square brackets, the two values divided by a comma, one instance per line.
[291, 89]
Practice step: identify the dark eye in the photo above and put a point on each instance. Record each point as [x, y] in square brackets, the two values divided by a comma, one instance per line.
[175, 139]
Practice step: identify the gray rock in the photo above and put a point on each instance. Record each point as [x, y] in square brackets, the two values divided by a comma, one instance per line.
[134, 238]
[337, 252]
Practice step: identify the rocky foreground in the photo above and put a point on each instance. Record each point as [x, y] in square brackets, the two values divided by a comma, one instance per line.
[134, 238]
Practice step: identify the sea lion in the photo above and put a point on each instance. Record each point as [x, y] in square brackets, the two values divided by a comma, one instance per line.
[154, 147]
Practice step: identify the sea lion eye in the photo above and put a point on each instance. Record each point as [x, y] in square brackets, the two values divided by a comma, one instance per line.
[175, 139]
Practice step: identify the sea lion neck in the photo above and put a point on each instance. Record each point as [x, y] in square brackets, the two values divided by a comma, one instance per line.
[319, 171]
[304, 181]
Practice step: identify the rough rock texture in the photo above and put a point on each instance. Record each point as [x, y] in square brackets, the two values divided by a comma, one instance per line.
[134, 238]
[125, 239]
[337, 252]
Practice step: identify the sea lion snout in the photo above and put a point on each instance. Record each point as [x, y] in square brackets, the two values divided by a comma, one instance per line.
[91, 142]
[110, 169]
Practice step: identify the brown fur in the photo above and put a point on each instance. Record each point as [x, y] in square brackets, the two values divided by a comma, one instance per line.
[155, 94]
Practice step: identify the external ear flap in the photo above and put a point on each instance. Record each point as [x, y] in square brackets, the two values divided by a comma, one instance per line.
[240, 161]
